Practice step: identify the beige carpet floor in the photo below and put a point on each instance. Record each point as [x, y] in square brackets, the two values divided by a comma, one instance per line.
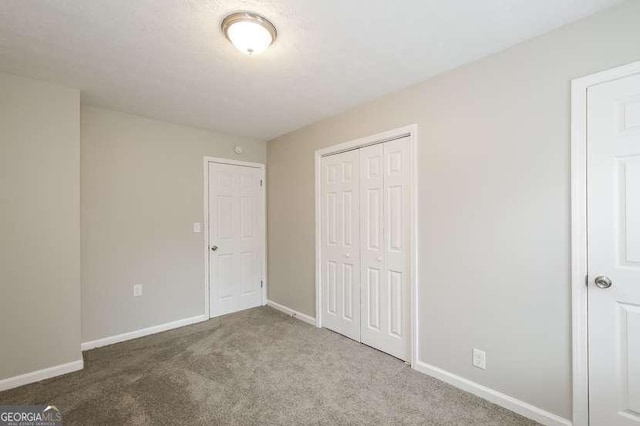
[257, 367]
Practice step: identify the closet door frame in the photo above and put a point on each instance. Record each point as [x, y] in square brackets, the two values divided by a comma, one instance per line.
[410, 131]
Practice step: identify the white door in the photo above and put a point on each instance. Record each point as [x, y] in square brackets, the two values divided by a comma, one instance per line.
[340, 242]
[384, 230]
[613, 169]
[236, 238]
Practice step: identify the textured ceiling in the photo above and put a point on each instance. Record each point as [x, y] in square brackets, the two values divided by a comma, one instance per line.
[167, 59]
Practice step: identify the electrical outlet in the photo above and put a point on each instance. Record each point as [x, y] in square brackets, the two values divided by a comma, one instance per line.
[197, 227]
[479, 359]
[137, 290]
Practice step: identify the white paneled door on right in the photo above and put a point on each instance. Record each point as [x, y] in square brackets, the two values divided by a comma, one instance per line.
[613, 168]
[365, 245]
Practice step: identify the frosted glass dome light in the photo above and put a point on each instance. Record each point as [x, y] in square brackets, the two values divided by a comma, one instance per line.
[250, 33]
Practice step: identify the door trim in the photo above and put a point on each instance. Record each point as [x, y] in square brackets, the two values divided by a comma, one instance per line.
[412, 132]
[579, 267]
[205, 185]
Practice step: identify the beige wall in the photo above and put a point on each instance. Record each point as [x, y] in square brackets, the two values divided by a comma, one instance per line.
[141, 192]
[494, 205]
[39, 225]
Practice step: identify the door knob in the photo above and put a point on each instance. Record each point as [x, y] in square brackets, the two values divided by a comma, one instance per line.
[214, 248]
[379, 258]
[603, 281]
[347, 255]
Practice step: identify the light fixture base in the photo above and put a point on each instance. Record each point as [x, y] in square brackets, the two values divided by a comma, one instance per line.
[247, 17]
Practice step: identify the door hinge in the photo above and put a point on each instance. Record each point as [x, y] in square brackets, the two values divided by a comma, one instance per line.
[586, 280]
[260, 182]
[261, 283]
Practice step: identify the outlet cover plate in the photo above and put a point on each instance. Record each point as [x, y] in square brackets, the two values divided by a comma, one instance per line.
[137, 290]
[479, 359]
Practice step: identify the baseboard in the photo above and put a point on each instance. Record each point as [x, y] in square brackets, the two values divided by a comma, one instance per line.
[505, 401]
[141, 333]
[36, 376]
[291, 312]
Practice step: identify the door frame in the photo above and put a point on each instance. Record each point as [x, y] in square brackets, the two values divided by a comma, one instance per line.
[412, 132]
[263, 223]
[579, 266]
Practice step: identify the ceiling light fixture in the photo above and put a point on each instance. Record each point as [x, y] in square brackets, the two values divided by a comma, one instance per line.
[249, 32]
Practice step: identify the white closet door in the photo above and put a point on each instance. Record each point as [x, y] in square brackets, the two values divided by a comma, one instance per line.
[341, 244]
[384, 201]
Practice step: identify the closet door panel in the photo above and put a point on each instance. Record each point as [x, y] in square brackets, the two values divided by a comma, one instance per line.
[341, 243]
[397, 248]
[384, 178]
[372, 267]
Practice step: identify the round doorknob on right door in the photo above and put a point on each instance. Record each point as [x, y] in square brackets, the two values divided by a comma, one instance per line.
[602, 281]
